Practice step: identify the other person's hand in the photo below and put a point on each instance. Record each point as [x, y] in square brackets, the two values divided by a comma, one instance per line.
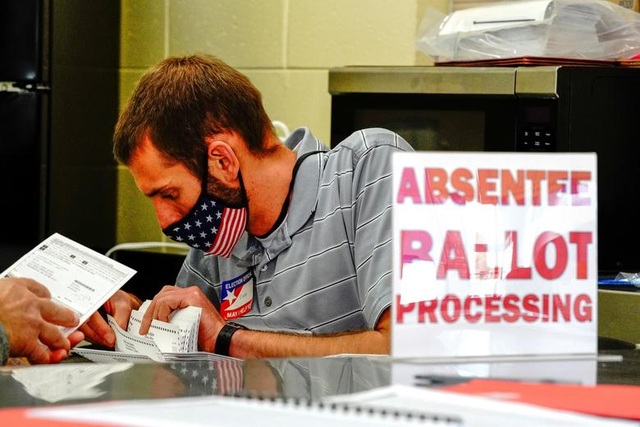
[32, 322]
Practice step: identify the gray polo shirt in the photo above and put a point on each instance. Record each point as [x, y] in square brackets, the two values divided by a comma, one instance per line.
[327, 267]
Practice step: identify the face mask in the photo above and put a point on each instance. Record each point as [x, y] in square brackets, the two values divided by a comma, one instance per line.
[210, 226]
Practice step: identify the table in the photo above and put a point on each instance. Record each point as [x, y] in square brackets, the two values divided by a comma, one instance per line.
[79, 382]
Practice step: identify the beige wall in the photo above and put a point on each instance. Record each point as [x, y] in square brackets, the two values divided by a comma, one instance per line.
[284, 46]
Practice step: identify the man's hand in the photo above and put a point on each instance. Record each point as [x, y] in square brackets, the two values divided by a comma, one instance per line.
[172, 298]
[258, 344]
[32, 320]
[120, 305]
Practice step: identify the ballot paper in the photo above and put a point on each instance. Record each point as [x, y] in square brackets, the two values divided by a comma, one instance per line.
[127, 342]
[78, 278]
[178, 335]
[163, 341]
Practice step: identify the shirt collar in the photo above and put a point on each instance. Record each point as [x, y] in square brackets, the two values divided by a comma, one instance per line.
[307, 180]
[303, 201]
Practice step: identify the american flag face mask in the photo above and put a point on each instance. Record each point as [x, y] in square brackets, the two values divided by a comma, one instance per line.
[210, 226]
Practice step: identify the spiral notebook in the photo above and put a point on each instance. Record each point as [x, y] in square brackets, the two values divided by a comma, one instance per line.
[387, 406]
[240, 411]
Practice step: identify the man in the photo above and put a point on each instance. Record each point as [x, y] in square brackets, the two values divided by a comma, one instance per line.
[29, 323]
[311, 274]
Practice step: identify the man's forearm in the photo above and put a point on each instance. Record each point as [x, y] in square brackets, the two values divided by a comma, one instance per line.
[256, 344]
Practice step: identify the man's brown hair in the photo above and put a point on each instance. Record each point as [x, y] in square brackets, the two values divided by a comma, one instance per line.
[181, 101]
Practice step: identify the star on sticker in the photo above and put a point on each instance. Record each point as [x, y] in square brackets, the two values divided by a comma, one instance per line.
[198, 223]
[218, 214]
[187, 226]
[231, 296]
[209, 218]
[204, 206]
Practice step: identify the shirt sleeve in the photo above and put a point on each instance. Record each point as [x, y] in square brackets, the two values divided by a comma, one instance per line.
[4, 346]
[372, 216]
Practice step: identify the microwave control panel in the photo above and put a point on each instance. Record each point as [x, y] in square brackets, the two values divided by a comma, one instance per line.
[535, 129]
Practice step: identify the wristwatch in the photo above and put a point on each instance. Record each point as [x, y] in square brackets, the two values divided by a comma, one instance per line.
[223, 341]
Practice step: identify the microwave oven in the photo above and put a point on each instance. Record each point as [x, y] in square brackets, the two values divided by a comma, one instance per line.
[529, 108]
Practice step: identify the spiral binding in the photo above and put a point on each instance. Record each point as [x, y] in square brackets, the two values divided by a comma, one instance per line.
[344, 408]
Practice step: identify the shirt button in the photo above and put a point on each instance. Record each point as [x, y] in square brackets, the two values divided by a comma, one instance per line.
[264, 267]
[268, 301]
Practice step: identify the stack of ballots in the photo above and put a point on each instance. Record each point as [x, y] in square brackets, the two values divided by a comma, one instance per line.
[174, 340]
[178, 335]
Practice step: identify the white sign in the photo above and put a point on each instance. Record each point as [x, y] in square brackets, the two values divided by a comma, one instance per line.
[495, 254]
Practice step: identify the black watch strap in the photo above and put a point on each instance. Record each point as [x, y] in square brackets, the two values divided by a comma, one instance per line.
[223, 342]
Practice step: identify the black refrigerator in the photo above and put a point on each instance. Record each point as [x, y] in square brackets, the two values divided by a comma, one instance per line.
[59, 68]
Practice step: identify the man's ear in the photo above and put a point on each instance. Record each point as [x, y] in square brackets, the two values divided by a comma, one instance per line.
[222, 162]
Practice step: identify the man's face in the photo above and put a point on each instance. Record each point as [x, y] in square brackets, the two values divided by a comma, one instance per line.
[171, 186]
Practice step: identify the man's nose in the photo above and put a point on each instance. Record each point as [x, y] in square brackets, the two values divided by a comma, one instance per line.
[165, 215]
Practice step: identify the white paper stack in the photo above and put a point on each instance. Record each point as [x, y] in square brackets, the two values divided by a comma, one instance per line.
[179, 335]
[162, 342]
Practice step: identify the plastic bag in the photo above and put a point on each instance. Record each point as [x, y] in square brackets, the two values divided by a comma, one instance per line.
[577, 29]
[633, 278]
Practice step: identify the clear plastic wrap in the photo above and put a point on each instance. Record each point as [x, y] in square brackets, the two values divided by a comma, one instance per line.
[576, 29]
[633, 278]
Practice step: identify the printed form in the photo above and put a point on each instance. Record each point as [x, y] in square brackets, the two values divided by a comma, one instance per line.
[77, 277]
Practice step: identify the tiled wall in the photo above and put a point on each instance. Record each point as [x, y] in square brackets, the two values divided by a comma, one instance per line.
[284, 46]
